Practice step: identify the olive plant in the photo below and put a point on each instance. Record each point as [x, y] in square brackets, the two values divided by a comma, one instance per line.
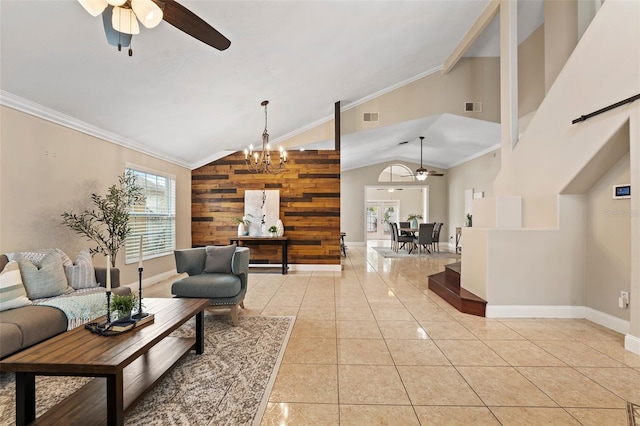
[107, 224]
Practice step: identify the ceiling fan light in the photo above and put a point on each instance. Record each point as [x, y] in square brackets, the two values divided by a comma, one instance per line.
[421, 174]
[116, 2]
[94, 7]
[124, 21]
[149, 14]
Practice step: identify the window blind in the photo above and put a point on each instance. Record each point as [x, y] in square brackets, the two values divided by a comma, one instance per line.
[155, 220]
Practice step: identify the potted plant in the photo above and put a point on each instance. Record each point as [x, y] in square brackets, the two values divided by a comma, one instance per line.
[413, 218]
[107, 224]
[272, 231]
[124, 304]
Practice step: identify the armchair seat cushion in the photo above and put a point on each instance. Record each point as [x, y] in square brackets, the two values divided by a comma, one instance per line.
[208, 286]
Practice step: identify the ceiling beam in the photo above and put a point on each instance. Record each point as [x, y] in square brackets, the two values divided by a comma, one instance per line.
[474, 32]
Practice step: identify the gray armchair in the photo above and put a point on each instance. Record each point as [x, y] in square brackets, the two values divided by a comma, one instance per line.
[227, 287]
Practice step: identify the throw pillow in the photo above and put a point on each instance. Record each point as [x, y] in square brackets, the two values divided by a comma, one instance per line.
[219, 259]
[12, 292]
[80, 274]
[47, 281]
[36, 256]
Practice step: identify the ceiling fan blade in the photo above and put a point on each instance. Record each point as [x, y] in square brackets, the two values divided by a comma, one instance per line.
[188, 22]
[432, 173]
[113, 37]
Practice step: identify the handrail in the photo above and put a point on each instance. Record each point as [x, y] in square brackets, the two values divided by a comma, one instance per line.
[605, 109]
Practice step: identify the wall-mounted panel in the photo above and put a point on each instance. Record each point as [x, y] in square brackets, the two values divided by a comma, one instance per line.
[309, 205]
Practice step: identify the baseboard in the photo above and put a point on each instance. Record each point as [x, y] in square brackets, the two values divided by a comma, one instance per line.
[607, 320]
[534, 311]
[152, 280]
[632, 343]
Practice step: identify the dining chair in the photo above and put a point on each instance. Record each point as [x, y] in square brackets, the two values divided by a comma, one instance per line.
[402, 240]
[436, 236]
[394, 237]
[404, 225]
[425, 237]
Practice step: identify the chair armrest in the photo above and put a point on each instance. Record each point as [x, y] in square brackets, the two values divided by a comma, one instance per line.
[191, 260]
[240, 261]
[101, 276]
[240, 264]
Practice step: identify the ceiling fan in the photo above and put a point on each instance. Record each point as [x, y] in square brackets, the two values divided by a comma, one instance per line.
[421, 172]
[120, 19]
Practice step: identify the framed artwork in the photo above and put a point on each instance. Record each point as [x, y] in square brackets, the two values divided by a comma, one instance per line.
[262, 208]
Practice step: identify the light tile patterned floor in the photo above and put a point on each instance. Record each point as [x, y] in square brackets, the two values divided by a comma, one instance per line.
[373, 346]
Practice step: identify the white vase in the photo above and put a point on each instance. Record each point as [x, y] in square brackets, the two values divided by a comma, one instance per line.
[240, 229]
[279, 228]
[263, 230]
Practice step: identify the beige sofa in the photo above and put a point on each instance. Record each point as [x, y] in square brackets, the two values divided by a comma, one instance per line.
[27, 325]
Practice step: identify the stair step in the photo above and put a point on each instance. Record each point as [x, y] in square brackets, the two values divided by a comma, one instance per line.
[461, 299]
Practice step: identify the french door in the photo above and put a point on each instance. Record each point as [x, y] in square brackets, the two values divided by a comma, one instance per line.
[378, 217]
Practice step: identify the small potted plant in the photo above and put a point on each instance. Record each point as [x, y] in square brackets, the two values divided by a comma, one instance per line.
[124, 304]
[273, 231]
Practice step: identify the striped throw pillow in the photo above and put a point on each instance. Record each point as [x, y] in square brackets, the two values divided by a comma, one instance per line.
[12, 292]
[81, 274]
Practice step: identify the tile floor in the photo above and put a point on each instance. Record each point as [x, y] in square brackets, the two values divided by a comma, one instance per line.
[373, 346]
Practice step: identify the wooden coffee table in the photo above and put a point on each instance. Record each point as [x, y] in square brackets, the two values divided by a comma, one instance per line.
[130, 364]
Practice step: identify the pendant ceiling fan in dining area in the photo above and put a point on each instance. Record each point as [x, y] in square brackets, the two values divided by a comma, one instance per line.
[120, 19]
[422, 173]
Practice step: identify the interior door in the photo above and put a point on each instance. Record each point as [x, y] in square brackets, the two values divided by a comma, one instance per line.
[378, 217]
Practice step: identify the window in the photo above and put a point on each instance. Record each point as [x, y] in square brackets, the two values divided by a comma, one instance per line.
[155, 220]
[396, 173]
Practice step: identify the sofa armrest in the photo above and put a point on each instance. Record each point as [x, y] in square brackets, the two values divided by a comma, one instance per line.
[101, 276]
[191, 260]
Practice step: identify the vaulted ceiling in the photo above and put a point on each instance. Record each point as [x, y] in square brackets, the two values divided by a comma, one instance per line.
[179, 99]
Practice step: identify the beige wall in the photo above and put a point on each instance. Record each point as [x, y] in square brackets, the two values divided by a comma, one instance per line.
[47, 169]
[477, 174]
[352, 198]
[608, 243]
[531, 72]
[473, 79]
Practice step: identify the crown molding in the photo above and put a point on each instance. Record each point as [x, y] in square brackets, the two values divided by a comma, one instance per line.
[20, 104]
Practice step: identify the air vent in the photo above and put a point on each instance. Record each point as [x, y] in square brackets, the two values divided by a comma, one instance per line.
[370, 116]
[473, 106]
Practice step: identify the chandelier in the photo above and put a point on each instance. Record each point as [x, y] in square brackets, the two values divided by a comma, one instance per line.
[263, 161]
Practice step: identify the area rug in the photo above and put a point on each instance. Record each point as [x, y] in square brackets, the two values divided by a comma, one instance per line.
[227, 385]
[387, 253]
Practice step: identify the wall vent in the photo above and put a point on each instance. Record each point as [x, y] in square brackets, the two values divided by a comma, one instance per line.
[473, 106]
[370, 116]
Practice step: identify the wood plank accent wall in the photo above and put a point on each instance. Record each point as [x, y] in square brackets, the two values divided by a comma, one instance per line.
[309, 205]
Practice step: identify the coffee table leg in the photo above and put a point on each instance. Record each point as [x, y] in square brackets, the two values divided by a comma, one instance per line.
[199, 332]
[115, 408]
[25, 398]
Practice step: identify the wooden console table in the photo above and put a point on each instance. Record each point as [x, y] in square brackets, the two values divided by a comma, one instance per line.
[283, 241]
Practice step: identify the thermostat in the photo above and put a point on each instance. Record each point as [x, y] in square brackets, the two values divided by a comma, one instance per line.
[622, 191]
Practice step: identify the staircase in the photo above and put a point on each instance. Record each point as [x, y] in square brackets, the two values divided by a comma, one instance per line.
[447, 285]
